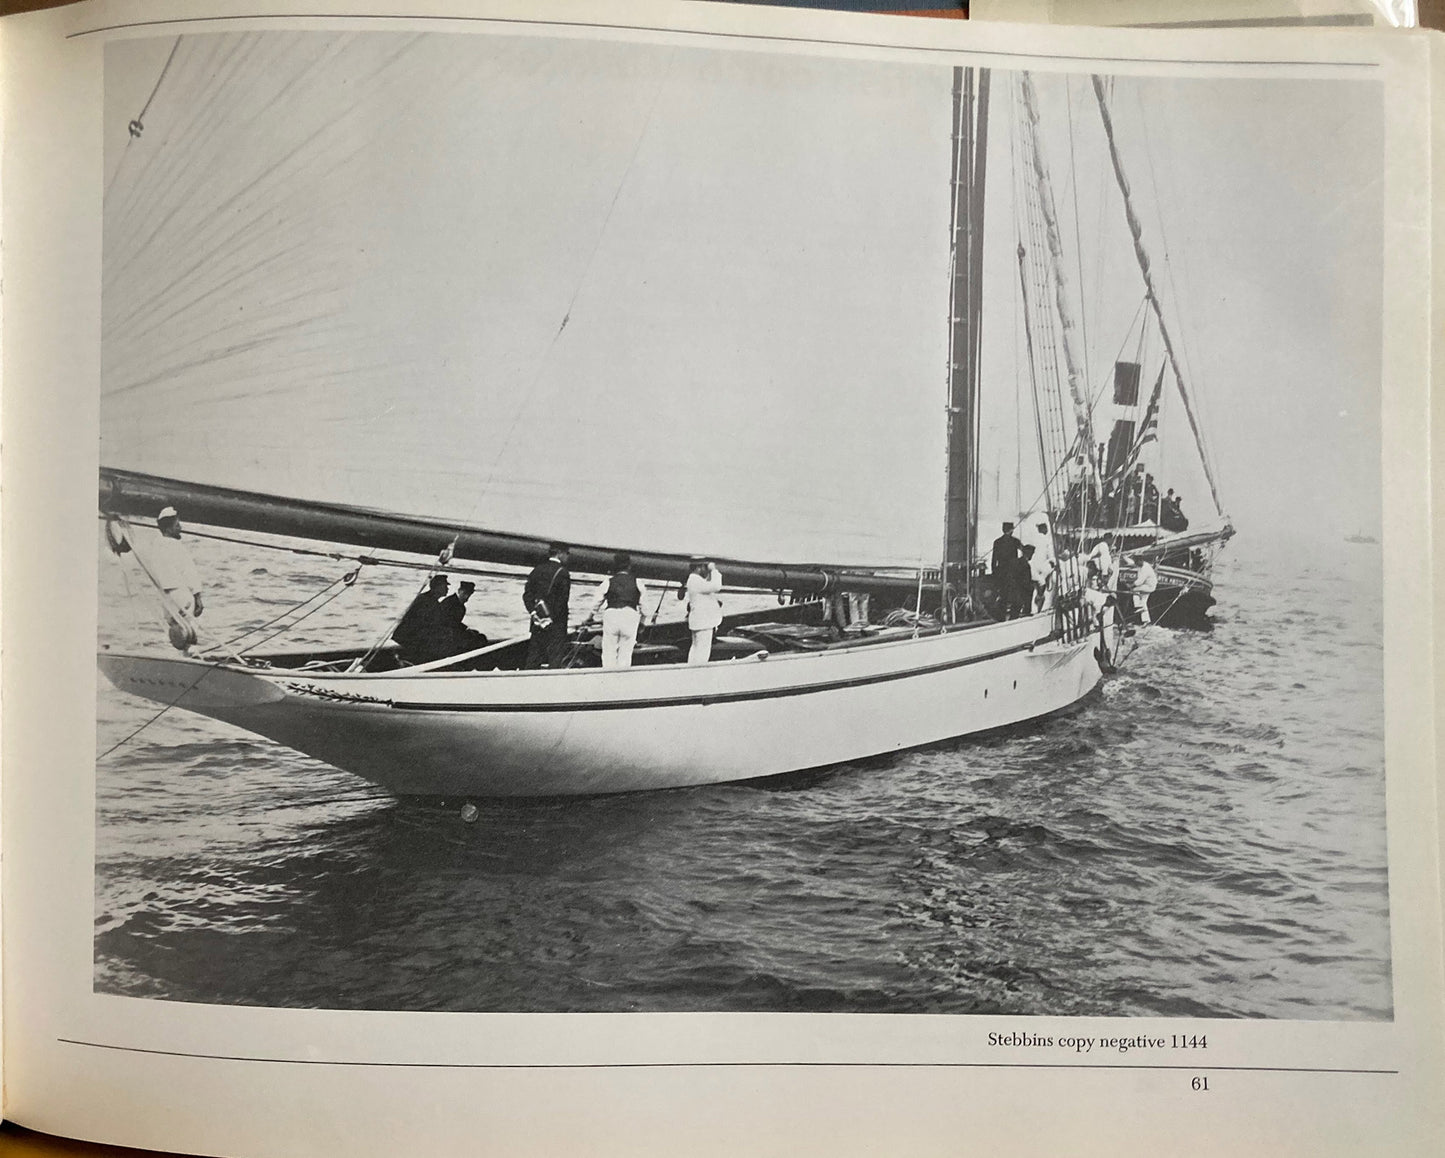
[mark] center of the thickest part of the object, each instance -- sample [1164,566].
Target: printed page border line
[1201,1068]
[776,39]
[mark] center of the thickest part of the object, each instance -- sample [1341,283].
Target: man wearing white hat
[172,570]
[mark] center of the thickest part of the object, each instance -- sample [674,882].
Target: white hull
[544,733]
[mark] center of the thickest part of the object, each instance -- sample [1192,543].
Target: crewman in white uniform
[1043,565]
[704,608]
[1146,581]
[171,567]
[1102,560]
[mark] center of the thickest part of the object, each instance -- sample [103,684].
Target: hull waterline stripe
[721,697]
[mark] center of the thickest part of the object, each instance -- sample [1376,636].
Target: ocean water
[1203,836]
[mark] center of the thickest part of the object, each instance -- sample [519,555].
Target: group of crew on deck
[433,627]
[1026,576]
[1127,500]
[1023,572]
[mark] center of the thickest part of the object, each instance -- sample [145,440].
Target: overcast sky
[1261,204]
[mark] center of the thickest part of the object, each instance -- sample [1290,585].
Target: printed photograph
[653,523]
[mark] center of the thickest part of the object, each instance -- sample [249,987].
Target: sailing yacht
[853,659]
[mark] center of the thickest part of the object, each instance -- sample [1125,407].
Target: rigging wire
[338,556]
[347,580]
[1046,277]
[1023,227]
[1141,256]
[1078,232]
[1206,449]
[137,126]
[1055,320]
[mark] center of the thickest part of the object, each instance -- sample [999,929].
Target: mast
[1137,232]
[130,493]
[965,311]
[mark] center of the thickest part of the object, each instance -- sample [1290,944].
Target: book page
[1217,14]
[1437,306]
[961,861]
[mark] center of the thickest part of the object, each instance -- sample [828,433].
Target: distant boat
[819,679]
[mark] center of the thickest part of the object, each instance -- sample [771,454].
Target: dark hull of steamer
[1183,566]
[1185,591]
[1185,606]
[1183,597]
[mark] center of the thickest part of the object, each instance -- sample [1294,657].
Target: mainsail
[517,283]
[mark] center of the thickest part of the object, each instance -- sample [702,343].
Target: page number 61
[1199,1084]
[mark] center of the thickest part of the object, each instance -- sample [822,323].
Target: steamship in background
[1137,514]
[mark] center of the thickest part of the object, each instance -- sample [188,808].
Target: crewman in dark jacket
[454,613]
[548,590]
[1005,555]
[619,602]
[1005,551]
[1019,584]
[423,635]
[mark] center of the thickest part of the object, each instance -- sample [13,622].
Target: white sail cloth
[628,294]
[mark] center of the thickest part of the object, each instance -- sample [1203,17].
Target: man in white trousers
[1146,582]
[704,608]
[170,567]
[619,601]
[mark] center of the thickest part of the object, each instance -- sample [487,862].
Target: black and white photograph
[637,522]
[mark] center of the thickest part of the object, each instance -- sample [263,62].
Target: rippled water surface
[1203,836]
